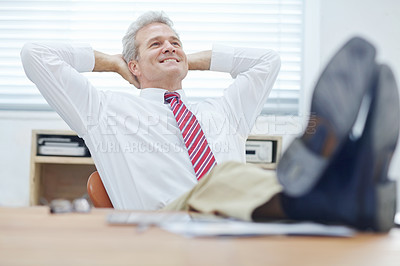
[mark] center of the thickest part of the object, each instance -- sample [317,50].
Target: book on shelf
[61,145]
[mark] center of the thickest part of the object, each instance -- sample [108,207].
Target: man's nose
[168,47]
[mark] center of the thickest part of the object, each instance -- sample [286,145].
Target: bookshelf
[54,177]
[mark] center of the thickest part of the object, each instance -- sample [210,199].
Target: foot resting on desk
[354,188]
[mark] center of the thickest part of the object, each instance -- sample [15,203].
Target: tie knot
[168,96]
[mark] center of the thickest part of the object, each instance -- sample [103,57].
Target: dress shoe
[355,189]
[335,105]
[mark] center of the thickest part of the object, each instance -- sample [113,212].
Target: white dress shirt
[135,142]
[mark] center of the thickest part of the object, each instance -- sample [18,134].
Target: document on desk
[239,228]
[197,225]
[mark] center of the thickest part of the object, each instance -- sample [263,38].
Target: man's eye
[176,44]
[154,44]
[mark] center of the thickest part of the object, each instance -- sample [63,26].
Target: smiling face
[161,63]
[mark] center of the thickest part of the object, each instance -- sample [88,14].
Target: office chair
[97,193]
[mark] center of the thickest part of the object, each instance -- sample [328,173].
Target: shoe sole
[382,132]
[336,101]
[385,206]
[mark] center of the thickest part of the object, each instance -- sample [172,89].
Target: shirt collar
[156,94]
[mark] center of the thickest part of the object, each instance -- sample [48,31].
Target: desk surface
[32,236]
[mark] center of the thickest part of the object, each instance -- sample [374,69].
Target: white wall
[329,24]
[15,147]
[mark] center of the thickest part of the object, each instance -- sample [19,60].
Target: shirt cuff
[83,57]
[222,58]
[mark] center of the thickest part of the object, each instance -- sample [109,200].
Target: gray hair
[130,49]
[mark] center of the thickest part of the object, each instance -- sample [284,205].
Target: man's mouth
[169,60]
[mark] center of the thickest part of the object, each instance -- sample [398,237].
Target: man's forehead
[156,31]
[161,37]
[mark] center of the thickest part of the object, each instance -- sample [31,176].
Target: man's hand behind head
[124,71]
[114,63]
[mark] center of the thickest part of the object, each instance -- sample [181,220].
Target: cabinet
[54,177]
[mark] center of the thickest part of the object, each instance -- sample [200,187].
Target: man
[145,157]
[329,174]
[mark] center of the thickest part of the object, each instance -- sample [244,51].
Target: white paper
[236,228]
[199,225]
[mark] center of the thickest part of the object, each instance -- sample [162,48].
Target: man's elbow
[30,56]
[275,60]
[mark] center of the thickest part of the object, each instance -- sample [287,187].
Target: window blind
[275,24]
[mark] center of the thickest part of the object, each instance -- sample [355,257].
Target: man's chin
[176,72]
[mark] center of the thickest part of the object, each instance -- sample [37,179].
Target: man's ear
[134,68]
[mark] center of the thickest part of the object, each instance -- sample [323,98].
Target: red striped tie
[195,141]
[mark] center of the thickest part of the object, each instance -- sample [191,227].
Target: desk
[32,236]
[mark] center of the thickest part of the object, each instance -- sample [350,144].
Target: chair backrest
[97,192]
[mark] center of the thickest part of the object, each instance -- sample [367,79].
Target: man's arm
[254,71]
[199,61]
[56,69]
[114,63]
